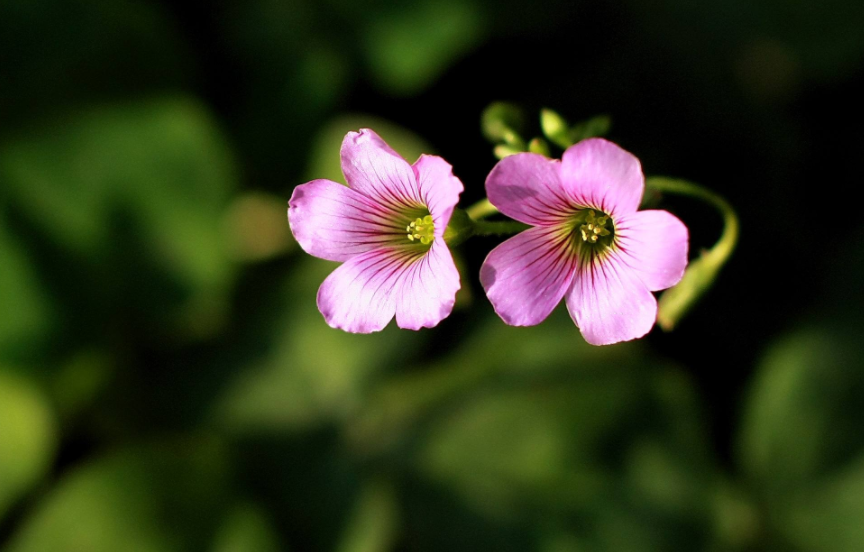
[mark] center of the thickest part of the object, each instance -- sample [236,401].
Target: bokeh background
[167,384]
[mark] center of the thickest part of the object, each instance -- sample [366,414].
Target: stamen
[594,227]
[421,229]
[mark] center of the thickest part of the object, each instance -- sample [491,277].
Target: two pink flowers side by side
[588,243]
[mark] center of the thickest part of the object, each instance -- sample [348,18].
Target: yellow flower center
[422,230]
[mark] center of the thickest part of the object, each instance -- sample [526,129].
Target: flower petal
[372,168]
[653,243]
[527,187]
[610,303]
[428,289]
[360,295]
[526,276]
[439,189]
[333,222]
[599,174]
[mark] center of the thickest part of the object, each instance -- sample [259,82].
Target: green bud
[502,122]
[502,151]
[593,127]
[555,128]
[539,145]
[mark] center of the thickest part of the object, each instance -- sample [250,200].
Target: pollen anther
[421,229]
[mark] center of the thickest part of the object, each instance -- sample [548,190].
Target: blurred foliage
[167,383]
[28,438]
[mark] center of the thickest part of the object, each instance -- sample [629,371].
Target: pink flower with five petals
[387,227]
[589,244]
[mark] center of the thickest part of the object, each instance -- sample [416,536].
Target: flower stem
[496,228]
[700,275]
[481,209]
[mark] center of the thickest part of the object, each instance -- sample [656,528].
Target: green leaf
[501,121]
[555,128]
[162,498]
[27,315]
[802,414]
[827,517]
[134,193]
[593,127]
[519,425]
[311,374]
[28,438]
[246,528]
[373,523]
[409,45]
[801,444]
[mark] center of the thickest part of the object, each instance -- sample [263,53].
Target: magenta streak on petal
[526,276]
[364,225]
[428,289]
[374,169]
[609,302]
[439,189]
[360,295]
[527,187]
[654,244]
[598,173]
[333,222]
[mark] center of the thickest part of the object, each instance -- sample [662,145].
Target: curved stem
[731,227]
[481,209]
[700,275]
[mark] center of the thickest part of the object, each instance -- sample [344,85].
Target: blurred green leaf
[802,416]
[310,373]
[56,54]
[26,311]
[801,444]
[555,128]
[136,191]
[519,424]
[828,516]
[409,45]
[142,499]
[373,523]
[501,121]
[28,438]
[247,529]
[593,127]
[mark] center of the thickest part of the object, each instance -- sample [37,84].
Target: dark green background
[167,384]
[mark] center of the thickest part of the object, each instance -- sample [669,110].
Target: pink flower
[387,227]
[589,243]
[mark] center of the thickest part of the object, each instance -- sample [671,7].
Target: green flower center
[594,227]
[422,230]
[593,232]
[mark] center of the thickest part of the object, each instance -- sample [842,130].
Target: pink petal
[439,189]
[599,174]
[360,296]
[526,276]
[428,289]
[372,168]
[654,244]
[333,222]
[610,303]
[527,187]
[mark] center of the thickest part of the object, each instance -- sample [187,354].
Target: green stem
[729,239]
[481,210]
[496,228]
[700,275]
